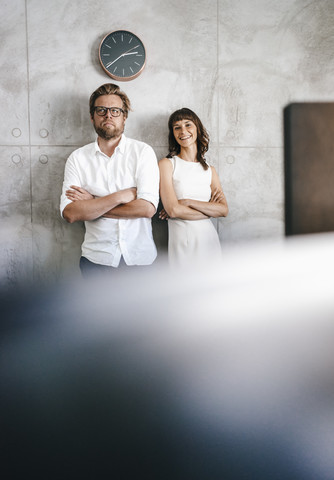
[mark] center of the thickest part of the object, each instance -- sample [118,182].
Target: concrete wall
[237,63]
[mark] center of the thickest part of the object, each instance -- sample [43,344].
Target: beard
[108,133]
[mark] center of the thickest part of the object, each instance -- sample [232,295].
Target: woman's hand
[185,202]
[217,195]
[78,193]
[163,215]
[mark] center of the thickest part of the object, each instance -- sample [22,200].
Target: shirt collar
[120,146]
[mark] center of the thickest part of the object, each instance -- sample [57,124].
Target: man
[112,185]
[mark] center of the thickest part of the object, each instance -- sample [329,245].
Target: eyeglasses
[114,111]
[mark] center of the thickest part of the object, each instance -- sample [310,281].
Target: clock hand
[130,49]
[110,63]
[130,53]
[123,55]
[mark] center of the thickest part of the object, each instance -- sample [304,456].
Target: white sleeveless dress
[191,241]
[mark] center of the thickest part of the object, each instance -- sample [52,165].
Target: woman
[190,191]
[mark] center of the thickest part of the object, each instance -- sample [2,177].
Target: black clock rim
[115,77]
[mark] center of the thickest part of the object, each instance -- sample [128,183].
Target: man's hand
[85,207]
[128,195]
[78,193]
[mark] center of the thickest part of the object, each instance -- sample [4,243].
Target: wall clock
[122,55]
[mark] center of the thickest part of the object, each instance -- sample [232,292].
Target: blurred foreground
[217,373]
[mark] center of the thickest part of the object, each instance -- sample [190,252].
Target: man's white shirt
[133,164]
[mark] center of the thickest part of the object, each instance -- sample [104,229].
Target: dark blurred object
[309,168]
[222,373]
[160,232]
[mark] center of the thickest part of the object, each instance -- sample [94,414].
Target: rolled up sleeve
[148,177]
[71,177]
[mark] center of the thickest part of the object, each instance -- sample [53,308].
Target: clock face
[122,55]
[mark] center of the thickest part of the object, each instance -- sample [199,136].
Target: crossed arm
[188,209]
[121,204]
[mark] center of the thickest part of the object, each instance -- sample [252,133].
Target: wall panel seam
[29,134]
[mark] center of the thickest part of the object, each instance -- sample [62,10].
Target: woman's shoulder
[167,161]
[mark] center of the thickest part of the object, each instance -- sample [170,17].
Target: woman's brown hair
[202,135]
